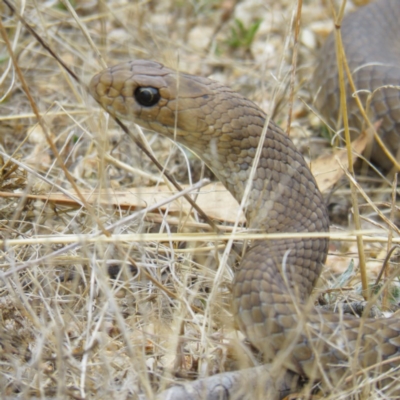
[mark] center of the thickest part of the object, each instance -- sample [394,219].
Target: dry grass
[68,330]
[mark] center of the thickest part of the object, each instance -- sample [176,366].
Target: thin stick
[294,63]
[357,222]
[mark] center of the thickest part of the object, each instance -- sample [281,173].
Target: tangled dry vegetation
[86,316]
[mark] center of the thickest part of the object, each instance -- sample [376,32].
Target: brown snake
[272,286]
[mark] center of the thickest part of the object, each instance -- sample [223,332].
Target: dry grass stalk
[68,330]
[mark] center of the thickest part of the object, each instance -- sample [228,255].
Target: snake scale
[272,285]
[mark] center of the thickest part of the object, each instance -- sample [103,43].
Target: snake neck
[284,196]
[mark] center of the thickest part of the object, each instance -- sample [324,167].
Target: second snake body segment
[371,40]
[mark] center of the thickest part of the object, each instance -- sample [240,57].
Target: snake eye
[147,96]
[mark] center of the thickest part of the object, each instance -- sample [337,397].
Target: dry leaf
[327,170]
[214,199]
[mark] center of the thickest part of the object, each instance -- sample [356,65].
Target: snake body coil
[371,39]
[275,278]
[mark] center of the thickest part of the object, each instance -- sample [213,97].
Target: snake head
[155,97]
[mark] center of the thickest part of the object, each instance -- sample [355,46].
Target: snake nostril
[147,96]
